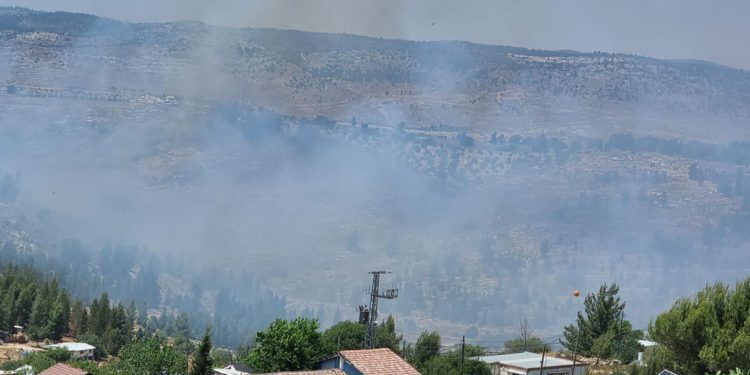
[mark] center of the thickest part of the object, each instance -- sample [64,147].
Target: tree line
[707,333]
[87,273]
[290,345]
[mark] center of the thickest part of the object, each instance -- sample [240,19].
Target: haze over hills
[491,180]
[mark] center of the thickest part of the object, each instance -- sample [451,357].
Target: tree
[603,331]
[427,347]
[38,326]
[148,357]
[386,337]
[708,333]
[344,335]
[78,317]
[286,346]
[525,331]
[203,363]
[56,323]
[450,363]
[182,341]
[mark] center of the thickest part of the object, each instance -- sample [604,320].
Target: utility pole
[463,346]
[369,316]
[619,332]
[575,352]
[541,364]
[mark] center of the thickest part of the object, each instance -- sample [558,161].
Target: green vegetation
[147,357]
[344,335]
[426,348]
[708,333]
[203,363]
[44,308]
[39,361]
[603,332]
[425,356]
[286,346]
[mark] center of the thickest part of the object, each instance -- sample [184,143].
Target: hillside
[492,180]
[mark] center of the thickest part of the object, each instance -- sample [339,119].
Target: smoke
[476,233]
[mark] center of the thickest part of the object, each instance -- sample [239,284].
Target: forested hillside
[137,280]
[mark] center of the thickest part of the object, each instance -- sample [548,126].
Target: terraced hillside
[492,180]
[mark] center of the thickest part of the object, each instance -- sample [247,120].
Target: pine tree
[602,331]
[55,326]
[386,336]
[77,318]
[38,324]
[182,341]
[203,363]
[132,312]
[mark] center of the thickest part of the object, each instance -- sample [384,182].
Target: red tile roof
[378,362]
[63,369]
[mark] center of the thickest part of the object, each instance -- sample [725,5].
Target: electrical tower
[369,315]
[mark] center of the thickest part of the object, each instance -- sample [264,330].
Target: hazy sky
[697,29]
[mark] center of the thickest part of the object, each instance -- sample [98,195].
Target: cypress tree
[203,363]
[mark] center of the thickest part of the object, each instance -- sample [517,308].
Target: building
[234,369]
[312,372]
[78,350]
[63,369]
[351,362]
[530,364]
[368,362]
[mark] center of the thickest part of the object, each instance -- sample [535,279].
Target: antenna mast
[369,315]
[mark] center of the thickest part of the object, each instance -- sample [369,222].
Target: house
[527,363]
[234,369]
[666,372]
[78,350]
[63,369]
[368,362]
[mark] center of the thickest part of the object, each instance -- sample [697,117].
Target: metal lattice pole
[372,319]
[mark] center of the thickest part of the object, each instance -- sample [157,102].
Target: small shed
[77,350]
[527,363]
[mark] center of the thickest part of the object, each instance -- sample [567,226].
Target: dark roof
[667,372]
[63,369]
[378,362]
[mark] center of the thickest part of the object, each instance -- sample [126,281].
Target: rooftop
[234,369]
[71,346]
[63,369]
[378,362]
[313,372]
[526,360]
